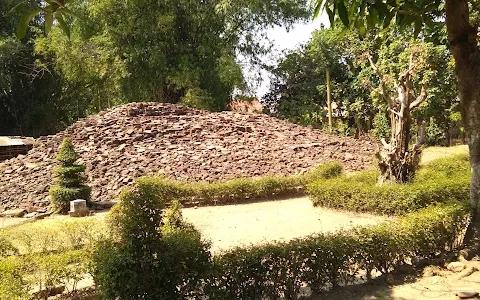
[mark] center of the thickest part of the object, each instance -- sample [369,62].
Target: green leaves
[342,12]
[48,22]
[63,25]
[24,21]
[19,7]
[51,11]
[407,14]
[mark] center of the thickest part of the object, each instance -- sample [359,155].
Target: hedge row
[441,181]
[267,271]
[51,236]
[278,270]
[238,190]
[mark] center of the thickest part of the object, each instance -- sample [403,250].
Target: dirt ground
[432,153]
[7,222]
[236,225]
[413,287]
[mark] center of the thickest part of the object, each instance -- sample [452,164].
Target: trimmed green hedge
[274,270]
[268,271]
[238,190]
[441,181]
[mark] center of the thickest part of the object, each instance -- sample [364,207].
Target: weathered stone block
[78,208]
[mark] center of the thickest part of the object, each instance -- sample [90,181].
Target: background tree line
[125,51]
[187,51]
[298,81]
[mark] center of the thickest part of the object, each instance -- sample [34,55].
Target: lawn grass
[57,233]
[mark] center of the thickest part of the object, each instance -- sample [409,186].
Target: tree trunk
[463,40]
[329,101]
[397,163]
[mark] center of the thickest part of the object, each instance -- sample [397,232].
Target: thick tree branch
[420,98]
[403,76]
[385,144]
[395,112]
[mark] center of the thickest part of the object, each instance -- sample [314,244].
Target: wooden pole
[329,101]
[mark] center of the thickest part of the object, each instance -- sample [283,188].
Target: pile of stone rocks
[128,141]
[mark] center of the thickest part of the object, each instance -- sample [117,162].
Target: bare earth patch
[432,153]
[443,287]
[7,222]
[237,225]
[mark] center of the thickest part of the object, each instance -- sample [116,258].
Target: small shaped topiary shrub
[70,180]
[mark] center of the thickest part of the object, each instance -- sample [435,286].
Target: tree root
[471,267]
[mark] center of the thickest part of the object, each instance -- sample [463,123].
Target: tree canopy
[298,83]
[118,51]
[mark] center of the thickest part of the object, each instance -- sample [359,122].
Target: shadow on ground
[407,287]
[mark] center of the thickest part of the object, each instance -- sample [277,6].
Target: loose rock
[456,266]
[136,139]
[14,213]
[466,294]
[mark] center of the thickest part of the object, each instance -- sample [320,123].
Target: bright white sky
[284,40]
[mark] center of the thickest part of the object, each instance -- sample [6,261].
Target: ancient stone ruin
[125,142]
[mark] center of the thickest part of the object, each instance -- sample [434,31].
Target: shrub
[238,190]
[51,270]
[425,233]
[19,275]
[147,259]
[6,248]
[439,182]
[455,167]
[52,236]
[156,255]
[12,279]
[70,179]
[200,99]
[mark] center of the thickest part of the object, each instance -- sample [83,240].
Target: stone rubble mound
[128,141]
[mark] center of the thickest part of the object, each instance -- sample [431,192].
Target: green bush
[147,259]
[439,182]
[51,236]
[455,167]
[425,233]
[70,179]
[51,270]
[154,254]
[13,284]
[6,247]
[19,275]
[274,270]
[238,190]
[200,99]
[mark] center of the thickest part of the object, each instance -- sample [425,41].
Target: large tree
[31,100]
[463,41]
[170,51]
